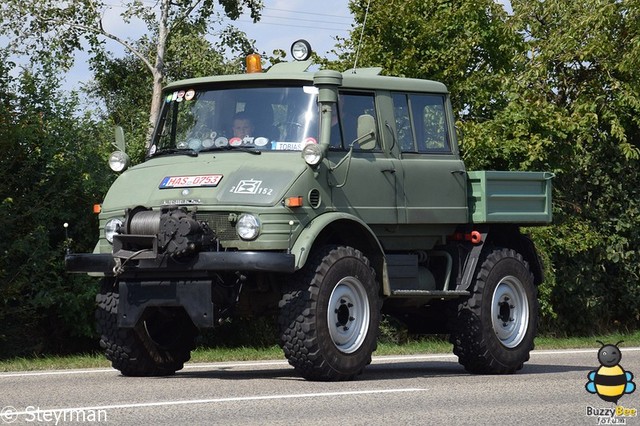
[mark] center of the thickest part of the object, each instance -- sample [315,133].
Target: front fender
[305,241]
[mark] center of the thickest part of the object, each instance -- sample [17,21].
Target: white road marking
[57,372]
[217,400]
[578,351]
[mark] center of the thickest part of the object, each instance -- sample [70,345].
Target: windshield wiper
[165,151]
[247,148]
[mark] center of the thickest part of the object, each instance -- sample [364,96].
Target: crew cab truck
[348,200]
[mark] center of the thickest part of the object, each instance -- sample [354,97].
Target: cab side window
[430,123]
[344,129]
[421,123]
[403,122]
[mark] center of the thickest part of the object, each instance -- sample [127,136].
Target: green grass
[54,362]
[429,345]
[629,339]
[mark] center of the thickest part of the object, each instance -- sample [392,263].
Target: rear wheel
[158,345]
[494,329]
[329,315]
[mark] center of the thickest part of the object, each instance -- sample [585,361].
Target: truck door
[434,181]
[370,187]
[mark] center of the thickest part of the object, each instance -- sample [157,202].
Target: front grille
[219,223]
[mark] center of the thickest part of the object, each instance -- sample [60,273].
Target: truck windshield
[276,118]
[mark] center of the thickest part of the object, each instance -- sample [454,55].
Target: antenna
[364,24]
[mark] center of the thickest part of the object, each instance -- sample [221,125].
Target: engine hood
[211,179]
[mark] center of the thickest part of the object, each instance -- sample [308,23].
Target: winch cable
[119,268]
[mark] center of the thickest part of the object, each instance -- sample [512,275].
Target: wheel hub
[348,315]
[505,311]
[510,312]
[343,314]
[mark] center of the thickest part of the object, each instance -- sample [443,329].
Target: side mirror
[119,144]
[367,136]
[119,160]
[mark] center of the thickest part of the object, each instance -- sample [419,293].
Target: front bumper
[204,262]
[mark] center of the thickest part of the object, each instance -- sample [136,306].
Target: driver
[242,126]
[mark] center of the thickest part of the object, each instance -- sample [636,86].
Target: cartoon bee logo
[610,381]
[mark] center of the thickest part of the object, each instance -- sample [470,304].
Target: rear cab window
[421,123]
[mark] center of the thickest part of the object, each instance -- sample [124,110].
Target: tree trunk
[158,71]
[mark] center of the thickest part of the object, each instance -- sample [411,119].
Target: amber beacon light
[254,63]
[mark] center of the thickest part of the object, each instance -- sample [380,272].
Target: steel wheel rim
[348,315]
[510,311]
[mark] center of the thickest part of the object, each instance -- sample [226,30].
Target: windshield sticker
[287,146]
[290,146]
[190,181]
[180,95]
[261,141]
[235,141]
[221,142]
[194,144]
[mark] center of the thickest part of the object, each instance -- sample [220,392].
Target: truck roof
[358,78]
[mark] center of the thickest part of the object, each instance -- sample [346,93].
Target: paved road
[429,389]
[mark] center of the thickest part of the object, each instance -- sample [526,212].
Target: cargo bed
[510,197]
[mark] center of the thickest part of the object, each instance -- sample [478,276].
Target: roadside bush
[52,169]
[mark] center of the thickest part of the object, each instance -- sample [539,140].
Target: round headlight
[118,161]
[301,50]
[111,228]
[312,154]
[248,227]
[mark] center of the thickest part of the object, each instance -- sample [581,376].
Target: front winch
[172,231]
[181,235]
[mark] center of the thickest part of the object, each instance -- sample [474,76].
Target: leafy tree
[43,141]
[124,86]
[555,86]
[466,44]
[57,29]
[572,107]
[52,161]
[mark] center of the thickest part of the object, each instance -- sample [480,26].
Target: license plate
[190,181]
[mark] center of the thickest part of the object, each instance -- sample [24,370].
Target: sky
[282,23]
[285,21]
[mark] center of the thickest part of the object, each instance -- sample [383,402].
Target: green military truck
[346,199]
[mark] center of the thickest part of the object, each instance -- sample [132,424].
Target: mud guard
[305,241]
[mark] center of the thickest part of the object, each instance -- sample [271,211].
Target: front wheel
[158,345]
[329,315]
[494,329]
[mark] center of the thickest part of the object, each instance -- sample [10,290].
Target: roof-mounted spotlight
[301,50]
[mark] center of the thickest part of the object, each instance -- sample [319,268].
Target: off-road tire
[497,343]
[132,351]
[330,314]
